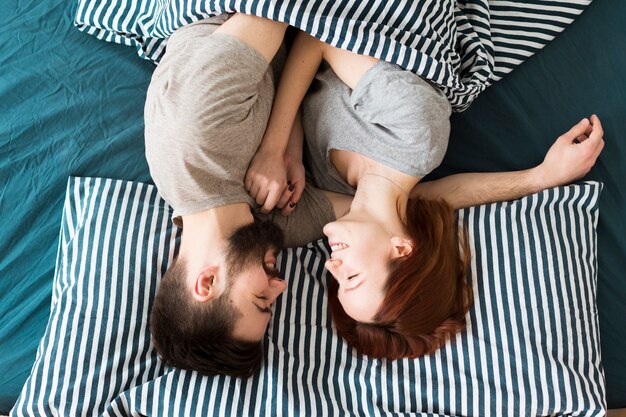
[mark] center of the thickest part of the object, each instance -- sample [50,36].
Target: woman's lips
[336,247]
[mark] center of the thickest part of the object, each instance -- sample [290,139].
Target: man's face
[256,283]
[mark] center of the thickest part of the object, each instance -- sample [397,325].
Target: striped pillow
[531,346]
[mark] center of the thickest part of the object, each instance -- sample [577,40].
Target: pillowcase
[531,346]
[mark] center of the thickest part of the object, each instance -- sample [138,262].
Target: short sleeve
[307,221]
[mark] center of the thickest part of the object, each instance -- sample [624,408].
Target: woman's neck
[381,198]
[381,192]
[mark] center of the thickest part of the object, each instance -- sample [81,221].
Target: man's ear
[401,247]
[205,286]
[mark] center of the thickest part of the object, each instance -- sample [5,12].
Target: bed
[72,125]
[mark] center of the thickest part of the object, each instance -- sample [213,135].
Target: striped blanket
[463,46]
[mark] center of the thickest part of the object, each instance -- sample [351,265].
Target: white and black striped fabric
[531,347]
[463,46]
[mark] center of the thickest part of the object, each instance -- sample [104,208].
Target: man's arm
[570,158]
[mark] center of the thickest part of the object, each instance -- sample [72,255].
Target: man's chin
[250,244]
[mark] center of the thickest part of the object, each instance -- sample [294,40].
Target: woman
[374,130]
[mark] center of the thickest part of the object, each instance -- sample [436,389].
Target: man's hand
[572,155]
[275,180]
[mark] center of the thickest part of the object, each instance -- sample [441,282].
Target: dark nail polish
[291,187]
[292,204]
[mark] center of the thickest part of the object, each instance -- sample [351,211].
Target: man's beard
[248,245]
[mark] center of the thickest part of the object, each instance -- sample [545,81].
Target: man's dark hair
[197,336]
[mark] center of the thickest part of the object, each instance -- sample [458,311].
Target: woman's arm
[295,168]
[302,63]
[274,162]
[570,158]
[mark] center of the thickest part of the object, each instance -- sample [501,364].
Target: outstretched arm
[571,157]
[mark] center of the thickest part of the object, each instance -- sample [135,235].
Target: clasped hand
[275,180]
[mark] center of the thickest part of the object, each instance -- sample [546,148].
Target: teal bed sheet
[68,104]
[73,105]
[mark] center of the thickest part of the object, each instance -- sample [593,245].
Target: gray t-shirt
[206,110]
[392,116]
[305,224]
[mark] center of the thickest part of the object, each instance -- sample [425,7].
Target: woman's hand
[573,154]
[275,180]
[295,185]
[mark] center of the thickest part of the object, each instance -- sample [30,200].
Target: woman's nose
[276,288]
[328,228]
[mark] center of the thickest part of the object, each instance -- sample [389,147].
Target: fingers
[247,183]
[254,190]
[266,195]
[261,197]
[593,144]
[271,200]
[576,131]
[295,198]
[286,195]
[297,193]
[597,132]
[595,137]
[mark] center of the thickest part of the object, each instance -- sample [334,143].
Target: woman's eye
[353,276]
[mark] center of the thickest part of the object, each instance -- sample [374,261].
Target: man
[206,111]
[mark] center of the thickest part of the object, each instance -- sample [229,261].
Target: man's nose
[276,287]
[333,267]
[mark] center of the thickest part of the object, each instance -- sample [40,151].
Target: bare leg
[262,34]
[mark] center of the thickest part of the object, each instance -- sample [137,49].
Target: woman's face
[361,253]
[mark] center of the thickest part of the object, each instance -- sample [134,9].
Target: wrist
[538,178]
[293,154]
[273,146]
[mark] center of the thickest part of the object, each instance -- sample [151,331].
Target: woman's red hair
[427,294]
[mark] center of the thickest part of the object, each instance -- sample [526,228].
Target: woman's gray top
[393,117]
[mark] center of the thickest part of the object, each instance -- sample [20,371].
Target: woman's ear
[205,286]
[401,247]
